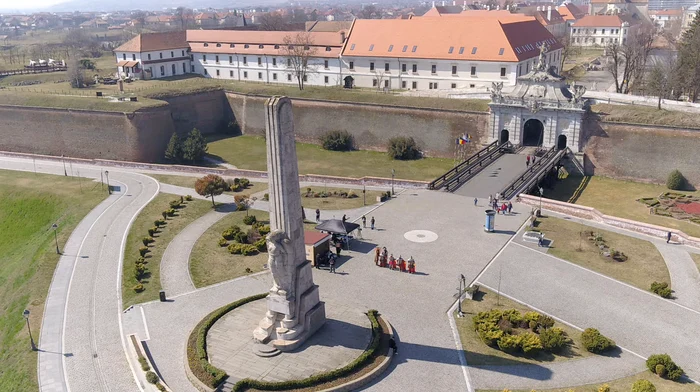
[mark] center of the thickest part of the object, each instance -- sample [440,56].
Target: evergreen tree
[173,152]
[689,58]
[195,146]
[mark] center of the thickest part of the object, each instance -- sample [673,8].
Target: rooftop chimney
[498,7]
[342,37]
[443,3]
[454,2]
[549,13]
[433,3]
[538,8]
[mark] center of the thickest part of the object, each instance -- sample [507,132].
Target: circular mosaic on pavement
[420,236]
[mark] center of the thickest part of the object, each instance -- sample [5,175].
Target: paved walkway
[175,265]
[493,178]
[685,277]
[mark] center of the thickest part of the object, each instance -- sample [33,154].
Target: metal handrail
[525,180]
[476,167]
[450,174]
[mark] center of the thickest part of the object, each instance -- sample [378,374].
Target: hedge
[197,346]
[667,369]
[367,356]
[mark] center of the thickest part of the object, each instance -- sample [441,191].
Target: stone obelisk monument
[294,311]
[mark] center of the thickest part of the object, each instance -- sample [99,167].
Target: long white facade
[153,65]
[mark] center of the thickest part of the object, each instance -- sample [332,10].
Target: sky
[28,4]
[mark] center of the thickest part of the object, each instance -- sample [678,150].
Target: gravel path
[685,277]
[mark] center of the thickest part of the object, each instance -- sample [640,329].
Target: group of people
[371,222]
[501,208]
[383,259]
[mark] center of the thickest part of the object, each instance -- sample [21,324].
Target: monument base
[276,331]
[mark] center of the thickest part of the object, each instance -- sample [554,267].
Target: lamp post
[109,190]
[459,295]
[65,172]
[55,237]
[364,193]
[393,173]
[541,192]
[26,318]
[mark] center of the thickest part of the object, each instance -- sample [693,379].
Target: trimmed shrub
[152,377]
[352,195]
[143,250]
[266,197]
[261,245]
[175,203]
[660,370]
[161,387]
[403,148]
[545,322]
[139,270]
[151,231]
[661,289]
[264,230]
[138,288]
[676,181]
[249,219]
[509,343]
[141,260]
[604,388]
[553,339]
[249,250]
[170,212]
[223,242]
[147,240]
[164,214]
[244,182]
[671,370]
[241,237]
[594,342]
[188,198]
[230,233]
[159,222]
[337,141]
[144,364]
[530,343]
[235,248]
[643,386]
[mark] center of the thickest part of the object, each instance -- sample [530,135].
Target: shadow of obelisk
[294,310]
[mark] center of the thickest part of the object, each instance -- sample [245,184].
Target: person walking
[377,251]
[533,160]
[318,215]
[364,221]
[490,199]
[510,208]
[475,201]
[527,161]
[668,237]
[371,223]
[344,218]
[331,263]
[338,247]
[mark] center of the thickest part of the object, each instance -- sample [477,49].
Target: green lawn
[480,354]
[336,202]
[619,198]
[696,258]
[639,114]
[621,385]
[188,182]
[248,152]
[643,266]
[31,203]
[139,229]
[88,101]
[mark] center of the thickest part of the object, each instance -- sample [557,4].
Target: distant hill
[148,5]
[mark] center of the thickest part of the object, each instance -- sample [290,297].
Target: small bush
[138,288]
[244,182]
[241,237]
[403,148]
[594,342]
[509,343]
[264,230]
[223,242]
[164,214]
[248,250]
[141,260]
[676,181]
[250,219]
[553,339]
[660,370]
[337,141]
[545,322]
[147,240]
[261,245]
[643,386]
[661,288]
[151,231]
[530,343]
[231,232]
[144,364]
[170,212]
[139,270]
[159,222]
[604,388]
[161,387]
[672,371]
[188,198]
[266,197]
[235,248]
[152,377]
[175,203]
[253,236]
[143,250]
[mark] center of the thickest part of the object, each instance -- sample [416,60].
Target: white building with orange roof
[601,30]
[259,56]
[154,55]
[666,18]
[428,53]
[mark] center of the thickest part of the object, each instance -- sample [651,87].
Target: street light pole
[364,193]
[65,172]
[393,173]
[109,190]
[26,318]
[459,296]
[55,237]
[541,192]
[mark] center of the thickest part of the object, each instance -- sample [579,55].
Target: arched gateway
[533,133]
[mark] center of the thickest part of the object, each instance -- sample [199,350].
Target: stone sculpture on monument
[294,310]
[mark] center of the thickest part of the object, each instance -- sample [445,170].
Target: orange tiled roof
[149,42]
[327,44]
[571,12]
[482,39]
[667,12]
[599,21]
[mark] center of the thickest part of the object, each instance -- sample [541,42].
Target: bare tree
[273,22]
[380,78]
[299,51]
[183,16]
[569,49]
[661,79]
[628,60]
[76,73]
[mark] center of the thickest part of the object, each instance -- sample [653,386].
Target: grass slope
[248,152]
[480,354]
[336,203]
[30,205]
[638,114]
[644,265]
[193,210]
[619,198]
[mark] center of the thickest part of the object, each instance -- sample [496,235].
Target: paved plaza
[345,335]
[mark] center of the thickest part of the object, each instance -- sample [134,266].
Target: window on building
[161,54]
[133,57]
[461,50]
[595,31]
[246,46]
[149,56]
[374,82]
[184,68]
[415,47]
[430,86]
[386,67]
[520,69]
[602,31]
[433,68]
[277,46]
[352,65]
[218,45]
[206,72]
[230,73]
[306,79]
[218,73]
[573,31]
[403,68]
[173,68]
[371,47]
[245,60]
[289,62]
[503,72]
[391,47]
[260,75]
[216,58]
[289,77]
[474,50]
[325,64]
[325,79]
[307,47]
[500,51]
[232,46]
[472,85]
[183,53]
[405,48]
[261,46]
[371,66]
[403,84]
[415,68]
[454,85]
[414,85]
[352,47]
[206,44]
[162,70]
[204,58]
[473,71]
[386,83]
[454,70]
[451,49]
[230,59]
[274,76]
[274,61]
[245,74]
[192,69]
[172,54]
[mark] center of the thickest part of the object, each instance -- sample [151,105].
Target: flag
[464,139]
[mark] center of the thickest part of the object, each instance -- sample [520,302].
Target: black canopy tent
[337,226]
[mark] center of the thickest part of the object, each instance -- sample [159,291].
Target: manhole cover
[420,236]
